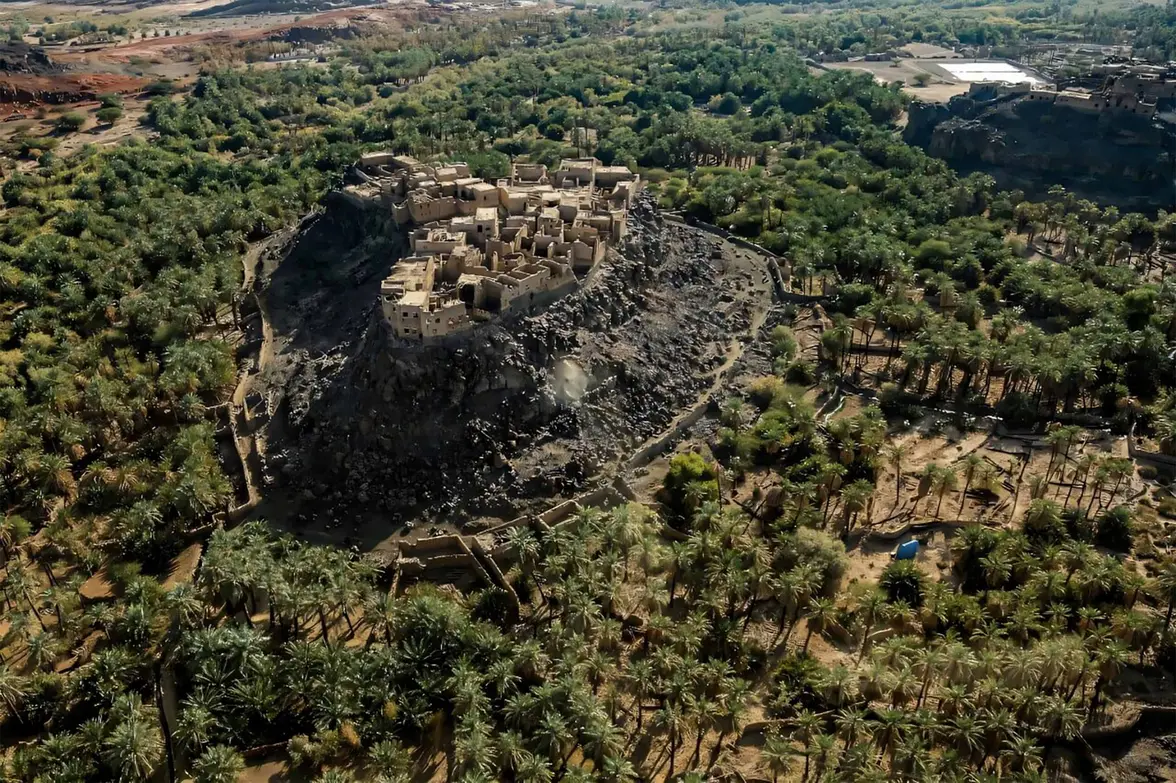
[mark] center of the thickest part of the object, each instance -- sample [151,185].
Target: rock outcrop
[19,57]
[1113,158]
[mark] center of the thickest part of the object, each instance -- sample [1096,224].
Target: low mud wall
[1154,457]
[467,552]
[658,445]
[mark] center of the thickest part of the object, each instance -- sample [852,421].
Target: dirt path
[761,292]
[249,447]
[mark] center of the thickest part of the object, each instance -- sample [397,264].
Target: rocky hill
[1109,158]
[493,421]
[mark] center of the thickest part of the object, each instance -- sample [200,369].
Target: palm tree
[896,456]
[512,751]
[525,545]
[871,604]
[335,776]
[1165,591]
[954,700]
[671,721]
[42,649]
[1082,467]
[824,748]
[904,687]
[851,724]
[1111,658]
[958,662]
[133,748]
[943,481]
[198,724]
[972,464]
[534,769]
[779,754]
[929,663]
[1058,439]
[839,685]
[1061,718]
[1118,469]
[617,769]
[1020,753]
[184,606]
[793,590]
[855,498]
[874,681]
[1101,476]
[892,724]
[912,757]
[997,569]
[12,690]
[218,764]
[821,615]
[1038,486]
[13,530]
[626,528]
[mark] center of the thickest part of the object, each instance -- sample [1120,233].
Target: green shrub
[903,581]
[108,115]
[1079,526]
[783,342]
[801,372]
[1043,523]
[71,121]
[806,545]
[1017,409]
[764,391]
[1115,528]
[690,482]
[494,605]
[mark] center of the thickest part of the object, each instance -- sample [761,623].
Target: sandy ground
[43,123]
[268,772]
[926,51]
[940,89]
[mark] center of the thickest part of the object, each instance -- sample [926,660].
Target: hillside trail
[251,447]
[759,293]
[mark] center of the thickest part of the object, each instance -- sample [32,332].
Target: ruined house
[481,249]
[1133,94]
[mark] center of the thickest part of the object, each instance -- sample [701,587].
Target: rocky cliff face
[1110,158]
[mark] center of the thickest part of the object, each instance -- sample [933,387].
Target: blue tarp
[907,550]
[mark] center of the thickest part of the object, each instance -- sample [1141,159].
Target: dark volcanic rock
[1114,158]
[19,57]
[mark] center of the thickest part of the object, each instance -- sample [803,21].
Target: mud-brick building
[483,250]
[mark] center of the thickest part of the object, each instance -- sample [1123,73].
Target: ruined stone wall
[432,209]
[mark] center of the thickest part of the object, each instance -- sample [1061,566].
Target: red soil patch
[148,47]
[23,90]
